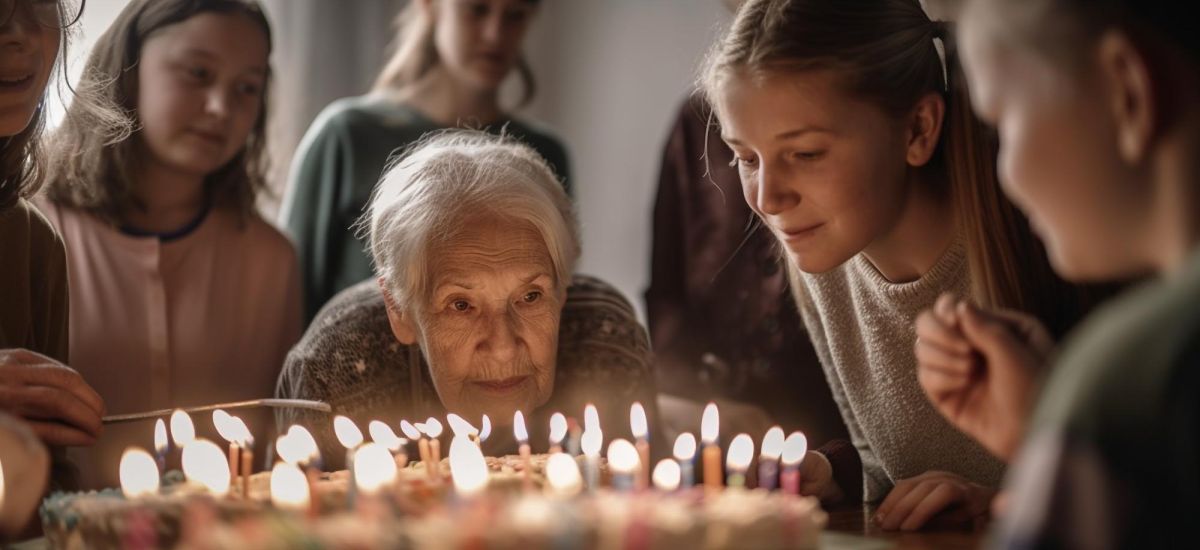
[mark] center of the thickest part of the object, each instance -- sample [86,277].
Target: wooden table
[851,527]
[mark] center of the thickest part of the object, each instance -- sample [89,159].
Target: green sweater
[1113,454]
[337,164]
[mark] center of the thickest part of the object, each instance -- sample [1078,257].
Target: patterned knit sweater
[862,328]
[350,359]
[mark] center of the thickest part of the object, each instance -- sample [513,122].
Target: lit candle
[523,449]
[246,442]
[138,473]
[486,431]
[289,487]
[741,452]
[350,437]
[685,455]
[433,429]
[414,435]
[667,475]
[182,433]
[591,442]
[710,427]
[623,464]
[591,418]
[794,449]
[374,469]
[228,431]
[382,434]
[562,475]
[574,434]
[298,448]
[768,461]
[461,428]
[558,430]
[204,463]
[641,435]
[468,468]
[160,444]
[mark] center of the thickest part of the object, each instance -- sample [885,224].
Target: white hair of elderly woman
[449,178]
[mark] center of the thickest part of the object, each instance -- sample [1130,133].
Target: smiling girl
[857,148]
[182,295]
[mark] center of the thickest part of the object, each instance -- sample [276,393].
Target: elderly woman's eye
[532,297]
[460,305]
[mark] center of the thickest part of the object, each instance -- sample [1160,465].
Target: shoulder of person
[26,221]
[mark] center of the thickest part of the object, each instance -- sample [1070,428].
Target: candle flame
[558,428]
[382,434]
[591,441]
[289,488]
[562,473]
[741,452]
[667,475]
[225,426]
[637,421]
[772,445]
[245,438]
[685,446]
[410,431]
[138,473]
[622,456]
[710,424]
[433,428]
[519,427]
[460,426]
[287,449]
[182,429]
[374,468]
[468,468]
[347,432]
[486,432]
[160,436]
[304,442]
[206,464]
[591,418]
[794,449]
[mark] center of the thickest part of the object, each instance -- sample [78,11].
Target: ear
[1130,88]
[925,128]
[401,323]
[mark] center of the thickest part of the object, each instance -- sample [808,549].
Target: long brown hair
[885,51]
[92,154]
[22,166]
[414,55]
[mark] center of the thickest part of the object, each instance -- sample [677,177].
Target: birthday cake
[422,511]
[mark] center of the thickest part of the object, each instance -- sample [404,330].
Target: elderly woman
[476,309]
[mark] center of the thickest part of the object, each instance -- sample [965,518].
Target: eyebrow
[785,135]
[197,52]
[462,284]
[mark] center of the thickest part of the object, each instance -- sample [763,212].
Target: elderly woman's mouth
[502,385]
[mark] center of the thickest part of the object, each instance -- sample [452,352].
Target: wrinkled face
[826,172]
[26,61]
[479,41]
[200,90]
[1059,158]
[490,326]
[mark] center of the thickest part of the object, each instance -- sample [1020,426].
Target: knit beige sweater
[862,328]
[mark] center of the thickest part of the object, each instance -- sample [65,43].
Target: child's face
[26,61]
[479,41]
[200,90]
[1059,158]
[825,171]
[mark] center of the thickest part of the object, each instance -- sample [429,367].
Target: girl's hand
[913,502]
[816,478]
[978,368]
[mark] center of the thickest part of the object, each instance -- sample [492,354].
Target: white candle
[623,463]
[350,437]
[741,452]
[685,455]
[641,433]
[591,442]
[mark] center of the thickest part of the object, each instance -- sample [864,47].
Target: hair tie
[941,30]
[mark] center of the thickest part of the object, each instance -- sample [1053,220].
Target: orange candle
[711,456]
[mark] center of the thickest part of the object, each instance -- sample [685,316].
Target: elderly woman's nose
[501,341]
